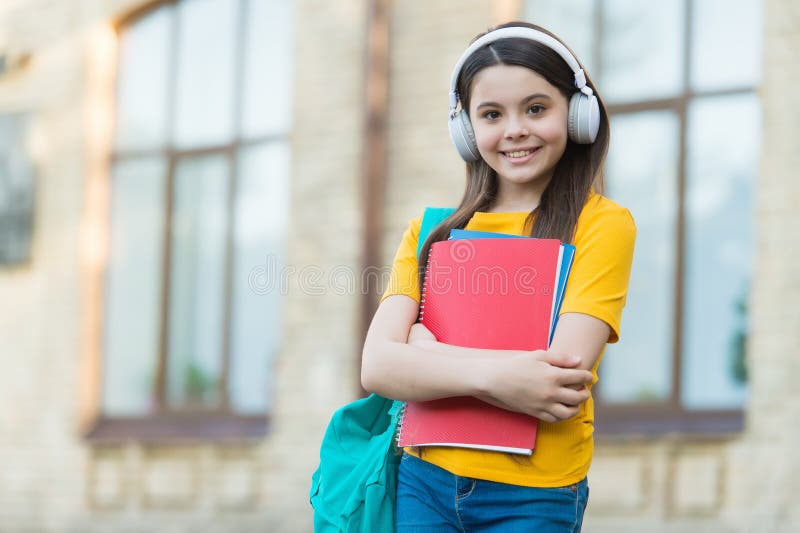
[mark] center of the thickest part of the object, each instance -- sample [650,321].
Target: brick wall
[51,480]
[423,168]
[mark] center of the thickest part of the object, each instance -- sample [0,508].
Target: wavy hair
[577,173]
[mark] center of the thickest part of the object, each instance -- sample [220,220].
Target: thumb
[560,359]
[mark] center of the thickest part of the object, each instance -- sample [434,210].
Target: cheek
[485,137]
[554,131]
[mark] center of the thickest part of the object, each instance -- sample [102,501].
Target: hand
[539,383]
[557,362]
[420,334]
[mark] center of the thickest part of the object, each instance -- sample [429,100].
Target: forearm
[419,373]
[581,335]
[463,352]
[397,364]
[477,353]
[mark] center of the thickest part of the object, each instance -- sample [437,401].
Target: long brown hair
[579,170]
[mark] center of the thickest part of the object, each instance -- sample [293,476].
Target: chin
[521,179]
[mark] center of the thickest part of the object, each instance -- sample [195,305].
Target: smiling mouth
[520,153]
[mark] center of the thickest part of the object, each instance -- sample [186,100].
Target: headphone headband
[524,33]
[583,115]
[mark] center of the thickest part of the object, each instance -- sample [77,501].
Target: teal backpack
[354,487]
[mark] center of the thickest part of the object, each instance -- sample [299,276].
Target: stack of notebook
[495,291]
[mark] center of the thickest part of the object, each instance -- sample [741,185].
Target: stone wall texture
[53,480]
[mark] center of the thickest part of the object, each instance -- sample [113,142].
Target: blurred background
[200,199]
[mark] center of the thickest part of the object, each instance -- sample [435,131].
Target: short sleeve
[598,283]
[405,267]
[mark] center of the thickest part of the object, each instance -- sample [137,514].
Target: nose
[516,128]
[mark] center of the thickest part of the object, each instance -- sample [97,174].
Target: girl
[534,137]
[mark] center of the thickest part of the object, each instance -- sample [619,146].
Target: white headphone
[583,120]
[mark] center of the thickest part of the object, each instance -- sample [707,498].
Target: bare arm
[422,337]
[537,383]
[395,369]
[581,335]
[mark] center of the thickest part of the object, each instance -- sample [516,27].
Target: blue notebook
[567,257]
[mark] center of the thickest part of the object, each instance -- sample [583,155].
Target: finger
[562,412]
[573,376]
[571,397]
[560,359]
[420,331]
[546,416]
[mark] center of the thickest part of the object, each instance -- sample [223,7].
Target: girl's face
[520,123]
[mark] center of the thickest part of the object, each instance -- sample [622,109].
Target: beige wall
[51,480]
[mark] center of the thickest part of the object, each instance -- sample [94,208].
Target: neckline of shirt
[502,213]
[488,214]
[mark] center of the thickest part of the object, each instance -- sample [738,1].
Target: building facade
[192,195]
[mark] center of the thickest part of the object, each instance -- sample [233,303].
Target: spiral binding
[399,427]
[424,289]
[422,293]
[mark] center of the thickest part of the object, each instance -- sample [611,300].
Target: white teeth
[523,153]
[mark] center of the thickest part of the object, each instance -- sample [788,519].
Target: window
[679,78]
[16,191]
[199,197]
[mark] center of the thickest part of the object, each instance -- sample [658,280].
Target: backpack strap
[432,217]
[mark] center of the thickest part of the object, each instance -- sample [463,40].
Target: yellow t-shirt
[597,286]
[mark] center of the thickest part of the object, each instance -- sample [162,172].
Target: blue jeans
[430,499]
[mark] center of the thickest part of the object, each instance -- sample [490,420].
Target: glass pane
[206,63]
[642,50]
[142,81]
[268,68]
[17,191]
[737,24]
[133,286]
[642,176]
[572,21]
[261,220]
[197,281]
[719,247]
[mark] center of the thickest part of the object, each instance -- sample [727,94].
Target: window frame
[167,423]
[670,415]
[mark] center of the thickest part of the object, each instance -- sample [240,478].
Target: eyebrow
[523,101]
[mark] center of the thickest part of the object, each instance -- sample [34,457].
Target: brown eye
[535,109]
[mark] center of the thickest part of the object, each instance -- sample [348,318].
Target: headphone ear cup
[583,120]
[463,137]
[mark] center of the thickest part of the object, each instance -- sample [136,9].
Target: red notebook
[484,293]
